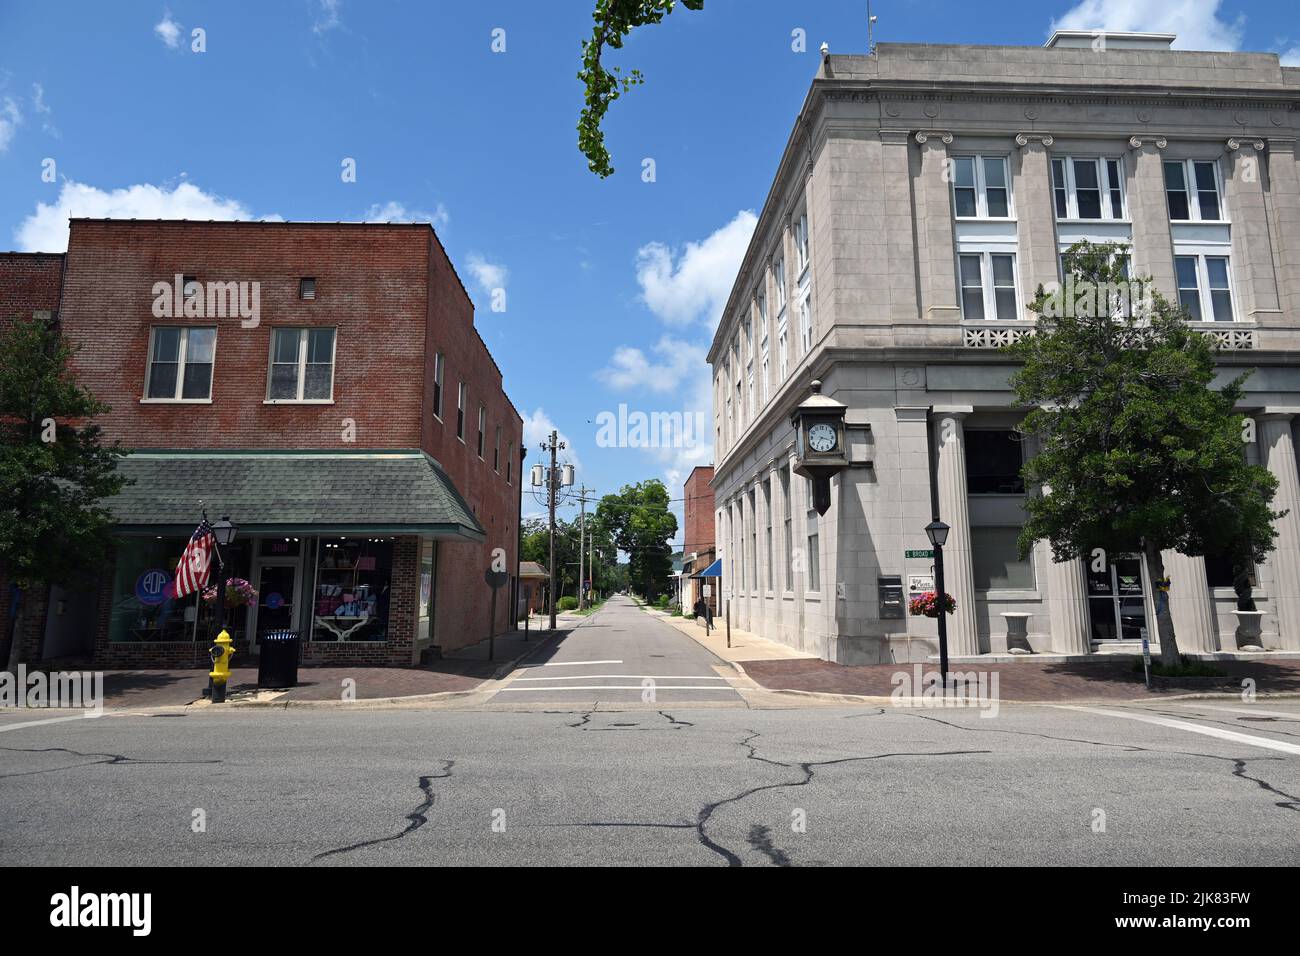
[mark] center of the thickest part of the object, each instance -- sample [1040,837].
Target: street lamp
[937,532]
[224,531]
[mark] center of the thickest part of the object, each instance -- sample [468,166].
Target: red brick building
[698,548]
[323,385]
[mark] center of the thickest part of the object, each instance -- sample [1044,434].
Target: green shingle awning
[319,492]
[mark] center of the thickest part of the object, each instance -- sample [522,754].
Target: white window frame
[1104,187]
[783,350]
[801,244]
[481,445]
[439,377]
[987,286]
[304,340]
[1203,290]
[462,395]
[182,353]
[778,280]
[1193,194]
[805,321]
[981,188]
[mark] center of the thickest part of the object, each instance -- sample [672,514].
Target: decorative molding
[1022,139]
[922,135]
[1137,141]
[1235,143]
[1232,340]
[993,337]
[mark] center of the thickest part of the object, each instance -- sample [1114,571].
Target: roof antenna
[871,30]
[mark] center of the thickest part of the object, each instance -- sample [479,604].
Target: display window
[351,596]
[144,608]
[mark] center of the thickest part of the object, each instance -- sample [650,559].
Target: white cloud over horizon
[46,230]
[169,31]
[537,429]
[489,275]
[629,368]
[393,211]
[1198,23]
[683,287]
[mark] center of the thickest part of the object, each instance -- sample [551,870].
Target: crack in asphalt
[875,713]
[1291,802]
[1224,721]
[109,760]
[415,819]
[760,838]
[674,721]
[586,719]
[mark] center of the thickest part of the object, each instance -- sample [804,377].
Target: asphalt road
[1175,783]
[621,655]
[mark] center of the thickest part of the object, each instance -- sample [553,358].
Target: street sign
[495,579]
[918,554]
[708,590]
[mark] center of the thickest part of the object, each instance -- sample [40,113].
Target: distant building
[698,548]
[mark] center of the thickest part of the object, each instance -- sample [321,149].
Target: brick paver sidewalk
[1024,680]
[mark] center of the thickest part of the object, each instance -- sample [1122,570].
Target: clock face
[821,437]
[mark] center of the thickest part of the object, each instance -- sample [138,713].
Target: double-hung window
[787,542]
[988,285]
[1204,287]
[180,364]
[496,452]
[814,541]
[805,321]
[1192,188]
[460,411]
[482,428]
[1087,188]
[439,369]
[980,187]
[778,279]
[302,365]
[801,244]
[764,361]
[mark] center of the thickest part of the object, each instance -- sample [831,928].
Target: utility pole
[554,481]
[582,544]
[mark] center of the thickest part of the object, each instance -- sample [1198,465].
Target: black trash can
[277,666]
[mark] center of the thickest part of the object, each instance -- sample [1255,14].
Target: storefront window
[353,576]
[143,607]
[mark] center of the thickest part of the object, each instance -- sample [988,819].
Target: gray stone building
[923,196]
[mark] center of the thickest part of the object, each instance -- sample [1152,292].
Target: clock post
[820,450]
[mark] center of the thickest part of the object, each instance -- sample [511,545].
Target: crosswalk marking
[1232,735]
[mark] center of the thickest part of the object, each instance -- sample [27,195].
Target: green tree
[615,19]
[53,470]
[639,523]
[1136,448]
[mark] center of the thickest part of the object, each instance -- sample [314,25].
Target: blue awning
[714,570]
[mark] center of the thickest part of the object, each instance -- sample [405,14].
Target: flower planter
[1248,630]
[1017,632]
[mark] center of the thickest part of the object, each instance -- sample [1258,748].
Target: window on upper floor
[778,279]
[180,364]
[805,322]
[482,428]
[302,366]
[439,369]
[988,285]
[801,244]
[1192,188]
[993,461]
[760,297]
[307,288]
[782,352]
[1088,188]
[1205,287]
[980,187]
[496,452]
[461,396]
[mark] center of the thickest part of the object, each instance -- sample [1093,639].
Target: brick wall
[697,510]
[29,282]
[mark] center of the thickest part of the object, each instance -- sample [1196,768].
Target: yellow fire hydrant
[220,652]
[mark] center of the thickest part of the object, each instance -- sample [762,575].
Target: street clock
[819,444]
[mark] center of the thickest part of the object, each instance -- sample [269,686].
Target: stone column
[959,577]
[1196,626]
[1036,214]
[1252,246]
[934,225]
[900,250]
[1153,244]
[1280,459]
[1283,200]
[1067,606]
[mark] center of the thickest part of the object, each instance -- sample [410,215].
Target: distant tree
[615,19]
[1137,447]
[640,525]
[53,470]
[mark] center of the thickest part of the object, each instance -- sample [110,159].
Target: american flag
[192,571]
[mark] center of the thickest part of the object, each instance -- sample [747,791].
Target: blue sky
[612,286]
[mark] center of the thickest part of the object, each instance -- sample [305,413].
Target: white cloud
[1197,22]
[1291,57]
[393,211]
[680,289]
[629,368]
[168,30]
[489,275]
[46,230]
[10,118]
[537,429]
[327,16]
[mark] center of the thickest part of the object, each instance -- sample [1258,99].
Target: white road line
[48,720]
[1232,735]
[567,664]
[611,687]
[620,677]
[1293,715]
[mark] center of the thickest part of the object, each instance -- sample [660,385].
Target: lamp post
[224,532]
[937,532]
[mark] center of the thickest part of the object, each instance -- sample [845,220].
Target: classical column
[950,438]
[1283,201]
[1036,212]
[900,250]
[1252,246]
[1153,244]
[1195,624]
[1067,596]
[936,253]
[1279,457]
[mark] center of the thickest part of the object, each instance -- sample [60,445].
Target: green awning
[317,492]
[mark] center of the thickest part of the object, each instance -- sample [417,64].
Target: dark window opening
[306,288]
[993,462]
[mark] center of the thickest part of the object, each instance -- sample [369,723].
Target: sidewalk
[744,645]
[459,672]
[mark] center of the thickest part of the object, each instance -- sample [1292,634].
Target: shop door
[277,598]
[1117,600]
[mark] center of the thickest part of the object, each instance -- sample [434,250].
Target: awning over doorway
[714,570]
[318,492]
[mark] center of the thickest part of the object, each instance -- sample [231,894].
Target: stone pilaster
[1036,217]
[1252,246]
[934,228]
[1283,200]
[1195,624]
[900,251]
[954,510]
[1153,244]
[1280,459]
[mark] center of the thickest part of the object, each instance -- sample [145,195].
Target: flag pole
[198,596]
